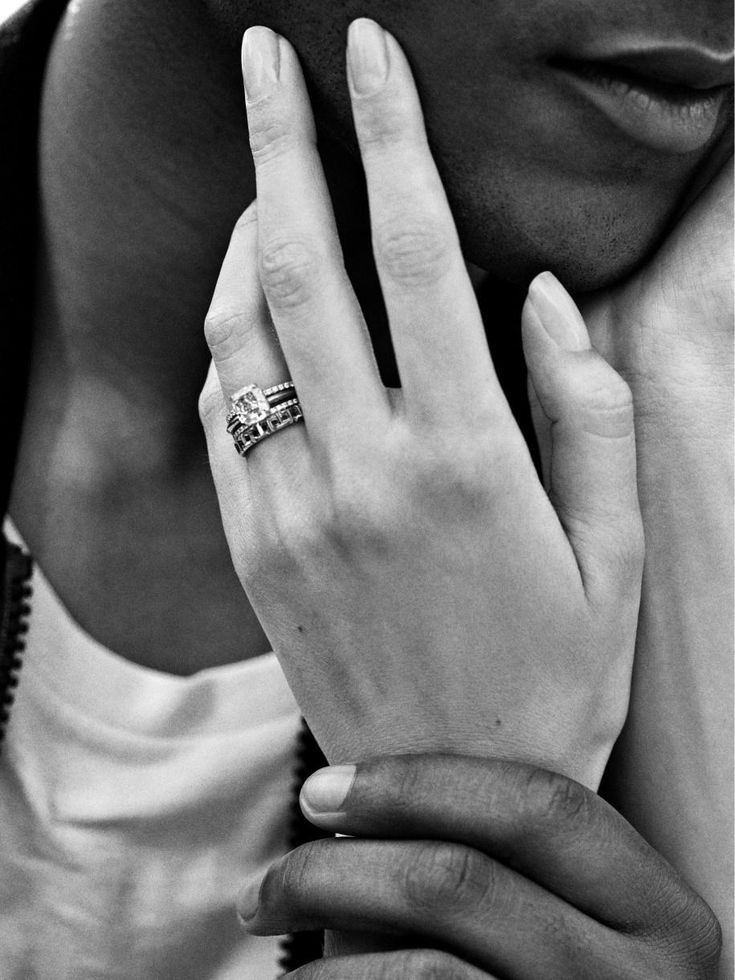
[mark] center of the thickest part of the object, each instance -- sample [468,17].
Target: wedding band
[279,418]
[257,413]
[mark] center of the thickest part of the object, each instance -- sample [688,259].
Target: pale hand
[420,587]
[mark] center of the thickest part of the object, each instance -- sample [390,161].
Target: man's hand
[496,869]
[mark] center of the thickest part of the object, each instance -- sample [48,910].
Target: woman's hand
[418,585]
[494,868]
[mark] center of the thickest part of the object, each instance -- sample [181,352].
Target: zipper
[13,626]
[301,948]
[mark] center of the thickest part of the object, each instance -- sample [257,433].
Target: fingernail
[248,900]
[327,789]
[558,313]
[367,56]
[261,61]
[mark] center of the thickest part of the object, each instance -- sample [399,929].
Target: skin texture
[119,107]
[510,870]
[670,333]
[410,582]
[117,212]
[536,178]
[669,329]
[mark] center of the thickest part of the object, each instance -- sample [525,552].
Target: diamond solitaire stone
[250,405]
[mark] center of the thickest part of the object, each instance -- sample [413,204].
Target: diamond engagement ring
[257,413]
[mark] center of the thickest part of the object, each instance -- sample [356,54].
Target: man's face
[565,130]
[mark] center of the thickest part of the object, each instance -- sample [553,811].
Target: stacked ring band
[257,413]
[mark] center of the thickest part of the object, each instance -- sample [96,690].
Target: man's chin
[583,262]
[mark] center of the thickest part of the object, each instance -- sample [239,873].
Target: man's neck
[144,168]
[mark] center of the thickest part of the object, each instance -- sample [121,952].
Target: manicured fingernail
[367,56]
[326,790]
[248,899]
[558,313]
[261,61]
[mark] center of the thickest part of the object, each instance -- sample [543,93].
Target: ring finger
[312,303]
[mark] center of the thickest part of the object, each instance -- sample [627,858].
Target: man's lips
[666,98]
[688,67]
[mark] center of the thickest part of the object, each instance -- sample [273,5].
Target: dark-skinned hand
[492,868]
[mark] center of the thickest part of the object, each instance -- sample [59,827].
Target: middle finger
[435,321]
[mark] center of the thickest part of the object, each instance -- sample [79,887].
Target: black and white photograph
[366,420]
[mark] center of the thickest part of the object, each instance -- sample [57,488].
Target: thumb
[592,465]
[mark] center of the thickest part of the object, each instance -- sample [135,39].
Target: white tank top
[133,804]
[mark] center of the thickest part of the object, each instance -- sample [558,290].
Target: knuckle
[292,542]
[384,122]
[553,799]
[288,269]
[444,879]
[294,874]
[434,484]
[248,218]
[459,471]
[693,930]
[222,329]
[427,964]
[606,402]
[402,785]
[360,533]
[617,539]
[357,517]
[619,545]
[270,137]
[412,250]
[280,545]
[559,940]
[709,943]
[211,403]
